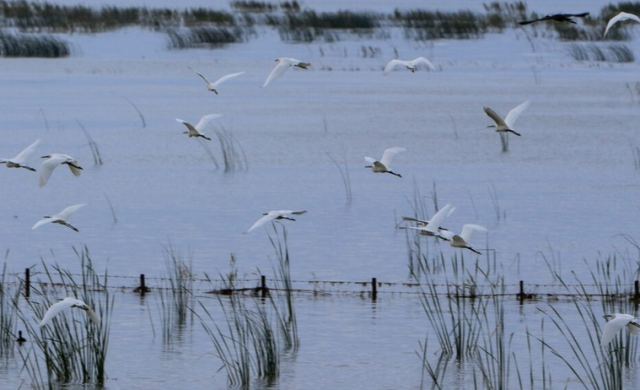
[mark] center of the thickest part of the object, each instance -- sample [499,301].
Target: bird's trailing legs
[394,174]
[473,250]
[67,224]
[514,132]
[14,165]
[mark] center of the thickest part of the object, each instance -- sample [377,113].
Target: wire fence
[521,290]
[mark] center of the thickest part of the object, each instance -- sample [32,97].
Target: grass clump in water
[72,347]
[617,53]
[32,45]
[202,37]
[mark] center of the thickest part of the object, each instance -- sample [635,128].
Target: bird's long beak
[491,126]
[47,156]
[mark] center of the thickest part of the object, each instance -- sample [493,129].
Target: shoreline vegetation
[28,26]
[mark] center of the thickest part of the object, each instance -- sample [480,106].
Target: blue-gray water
[568,185]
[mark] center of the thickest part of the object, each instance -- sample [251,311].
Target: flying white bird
[615,323]
[383,166]
[275,215]
[60,218]
[213,87]
[64,304]
[52,161]
[19,160]
[284,63]
[462,240]
[622,16]
[196,131]
[506,125]
[412,65]
[432,226]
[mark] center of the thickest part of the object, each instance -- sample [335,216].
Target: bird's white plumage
[213,86]
[225,78]
[41,222]
[204,121]
[622,16]
[436,221]
[23,156]
[613,326]
[500,123]
[195,131]
[283,63]
[65,304]
[412,64]
[468,229]
[63,215]
[66,213]
[446,234]
[272,215]
[389,153]
[52,162]
[515,112]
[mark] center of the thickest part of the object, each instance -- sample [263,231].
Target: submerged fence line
[260,285]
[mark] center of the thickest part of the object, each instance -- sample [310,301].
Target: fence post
[263,286]
[636,290]
[521,293]
[142,288]
[374,289]
[27,283]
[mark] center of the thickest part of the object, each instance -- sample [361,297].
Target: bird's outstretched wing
[41,222]
[525,22]
[206,80]
[75,168]
[411,219]
[580,15]
[22,157]
[264,219]
[613,326]
[67,212]
[419,228]
[64,304]
[468,229]
[389,153]
[47,167]
[496,118]
[204,121]
[391,65]
[515,112]
[438,218]
[423,61]
[277,71]
[225,78]
[189,126]
[622,16]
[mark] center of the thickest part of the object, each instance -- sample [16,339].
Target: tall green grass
[288,322]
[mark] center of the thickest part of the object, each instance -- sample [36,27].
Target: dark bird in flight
[557,18]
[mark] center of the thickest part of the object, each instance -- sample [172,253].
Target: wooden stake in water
[142,288]
[27,283]
[636,290]
[521,293]
[374,289]
[263,286]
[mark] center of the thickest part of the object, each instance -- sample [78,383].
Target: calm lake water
[568,188]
